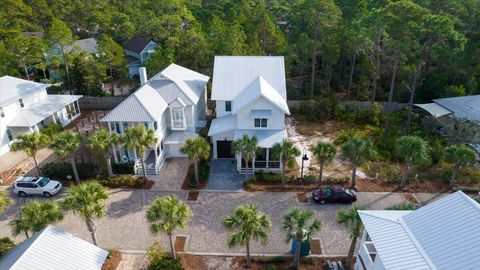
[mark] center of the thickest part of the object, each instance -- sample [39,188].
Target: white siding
[276,122]
[220,108]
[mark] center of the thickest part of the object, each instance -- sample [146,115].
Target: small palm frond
[351,220]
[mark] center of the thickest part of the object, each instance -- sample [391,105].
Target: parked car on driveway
[334,195]
[28,185]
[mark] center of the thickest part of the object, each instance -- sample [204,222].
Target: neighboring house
[450,110]
[173,103]
[441,235]
[52,248]
[137,51]
[87,45]
[251,99]
[25,107]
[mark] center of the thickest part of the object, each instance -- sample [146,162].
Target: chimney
[142,72]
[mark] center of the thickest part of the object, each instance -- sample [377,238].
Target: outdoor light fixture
[304,158]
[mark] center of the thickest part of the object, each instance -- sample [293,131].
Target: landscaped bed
[112,261]
[204,172]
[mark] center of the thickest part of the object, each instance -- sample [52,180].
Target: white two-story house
[442,235]
[26,107]
[173,103]
[251,99]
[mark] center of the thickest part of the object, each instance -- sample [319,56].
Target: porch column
[54,118]
[78,106]
[267,153]
[114,148]
[36,128]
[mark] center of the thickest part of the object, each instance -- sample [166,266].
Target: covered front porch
[153,158]
[264,161]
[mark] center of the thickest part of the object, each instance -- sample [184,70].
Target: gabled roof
[174,84]
[222,124]
[191,83]
[177,103]
[441,235]
[52,248]
[88,45]
[144,105]
[232,74]
[259,87]
[466,107]
[12,89]
[137,44]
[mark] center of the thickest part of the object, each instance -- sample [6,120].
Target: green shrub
[51,129]
[268,178]
[59,171]
[384,171]
[6,244]
[159,260]
[123,168]
[203,171]
[127,180]
[330,180]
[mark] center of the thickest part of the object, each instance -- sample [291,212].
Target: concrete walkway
[224,176]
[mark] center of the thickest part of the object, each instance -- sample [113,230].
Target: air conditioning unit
[125,159]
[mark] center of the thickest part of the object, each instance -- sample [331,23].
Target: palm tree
[459,156]
[286,153]
[196,149]
[4,201]
[325,152]
[139,138]
[300,226]
[101,141]
[86,199]
[30,143]
[247,148]
[352,221]
[412,150]
[35,216]
[249,224]
[166,215]
[66,144]
[357,150]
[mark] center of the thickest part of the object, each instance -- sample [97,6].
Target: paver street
[126,228]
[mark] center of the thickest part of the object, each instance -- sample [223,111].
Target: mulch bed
[302,197]
[112,261]
[193,195]
[148,185]
[315,246]
[180,242]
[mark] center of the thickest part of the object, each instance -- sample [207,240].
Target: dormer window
[21,103]
[2,114]
[228,106]
[178,119]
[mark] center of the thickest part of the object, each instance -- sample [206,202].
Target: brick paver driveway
[224,176]
[126,228]
[171,174]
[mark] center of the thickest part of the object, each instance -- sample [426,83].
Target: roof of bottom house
[52,248]
[41,110]
[440,235]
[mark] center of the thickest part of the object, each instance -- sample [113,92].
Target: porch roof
[42,109]
[222,124]
[434,109]
[266,138]
[179,137]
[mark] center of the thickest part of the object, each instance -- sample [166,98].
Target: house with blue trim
[137,51]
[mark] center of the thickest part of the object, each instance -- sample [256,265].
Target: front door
[224,149]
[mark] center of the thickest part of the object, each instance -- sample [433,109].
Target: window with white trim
[21,103]
[260,122]
[178,119]
[228,106]
[9,135]
[2,114]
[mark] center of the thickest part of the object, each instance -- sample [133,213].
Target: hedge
[59,171]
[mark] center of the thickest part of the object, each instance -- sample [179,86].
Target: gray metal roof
[441,235]
[42,109]
[88,45]
[232,74]
[179,137]
[467,107]
[52,248]
[12,89]
[222,124]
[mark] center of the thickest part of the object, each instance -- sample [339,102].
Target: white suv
[27,185]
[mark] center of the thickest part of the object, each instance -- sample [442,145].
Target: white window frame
[261,120]
[175,123]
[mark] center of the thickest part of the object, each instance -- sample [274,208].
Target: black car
[334,195]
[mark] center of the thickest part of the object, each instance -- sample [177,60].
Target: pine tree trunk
[376,68]
[405,175]
[352,68]
[44,74]
[74,168]
[354,176]
[249,259]
[36,164]
[390,97]
[314,61]
[172,247]
[349,263]
[92,229]
[197,178]
[321,174]
[26,234]
[454,175]
[413,89]
[26,71]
